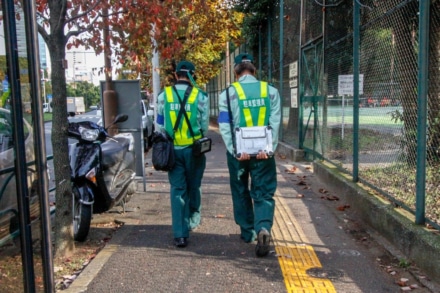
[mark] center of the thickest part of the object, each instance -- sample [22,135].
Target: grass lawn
[47,117]
[28,116]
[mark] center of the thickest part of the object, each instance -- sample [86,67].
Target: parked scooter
[102,171]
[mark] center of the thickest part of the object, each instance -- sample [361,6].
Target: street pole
[109,95]
[155,73]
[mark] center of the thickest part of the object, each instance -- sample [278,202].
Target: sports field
[379,118]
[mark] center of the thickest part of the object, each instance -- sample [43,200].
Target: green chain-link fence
[320,107]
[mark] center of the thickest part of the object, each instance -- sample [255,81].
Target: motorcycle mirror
[120,118]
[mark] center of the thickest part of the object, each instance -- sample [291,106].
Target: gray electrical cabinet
[129,102]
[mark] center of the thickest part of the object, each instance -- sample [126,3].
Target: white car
[147,123]
[47,108]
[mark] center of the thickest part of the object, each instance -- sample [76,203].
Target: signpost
[345,88]
[293,83]
[345,84]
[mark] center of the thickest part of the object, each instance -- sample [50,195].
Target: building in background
[21,42]
[43,53]
[84,65]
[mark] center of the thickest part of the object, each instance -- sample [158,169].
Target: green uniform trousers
[254,207]
[186,179]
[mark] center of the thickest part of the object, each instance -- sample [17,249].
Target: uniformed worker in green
[252,199]
[186,176]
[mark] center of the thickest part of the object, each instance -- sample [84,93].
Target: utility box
[129,102]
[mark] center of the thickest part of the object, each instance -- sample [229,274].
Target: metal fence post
[356,38]
[40,145]
[281,41]
[19,148]
[259,52]
[423,61]
[269,47]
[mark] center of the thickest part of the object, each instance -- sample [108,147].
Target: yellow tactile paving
[294,256]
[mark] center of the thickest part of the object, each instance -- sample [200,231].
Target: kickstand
[123,206]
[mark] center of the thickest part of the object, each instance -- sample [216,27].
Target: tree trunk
[64,244]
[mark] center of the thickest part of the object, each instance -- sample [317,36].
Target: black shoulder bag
[202,145]
[163,151]
[163,145]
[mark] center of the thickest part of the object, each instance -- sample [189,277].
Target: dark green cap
[185,66]
[243,57]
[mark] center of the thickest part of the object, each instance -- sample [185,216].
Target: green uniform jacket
[199,124]
[274,118]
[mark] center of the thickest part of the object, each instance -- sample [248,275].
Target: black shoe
[262,247]
[180,242]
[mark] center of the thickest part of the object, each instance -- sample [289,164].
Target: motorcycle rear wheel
[82,216]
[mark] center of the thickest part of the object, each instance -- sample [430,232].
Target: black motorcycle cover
[163,151]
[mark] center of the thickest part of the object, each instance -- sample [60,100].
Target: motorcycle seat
[113,151]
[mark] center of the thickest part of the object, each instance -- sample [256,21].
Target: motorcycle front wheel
[82,216]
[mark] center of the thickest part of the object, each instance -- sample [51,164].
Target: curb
[90,272]
[393,224]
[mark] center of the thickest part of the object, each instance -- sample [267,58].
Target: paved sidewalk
[316,247]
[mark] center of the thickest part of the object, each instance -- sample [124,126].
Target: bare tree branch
[74,18]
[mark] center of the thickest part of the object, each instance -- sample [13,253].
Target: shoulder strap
[231,120]
[182,109]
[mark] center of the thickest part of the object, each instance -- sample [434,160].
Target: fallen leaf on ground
[300,195]
[343,207]
[301,183]
[291,170]
[220,216]
[401,283]
[428,226]
[331,197]
[322,190]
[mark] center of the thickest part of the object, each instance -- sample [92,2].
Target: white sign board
[345,84]
[293,82]
[293,69]
[294,98]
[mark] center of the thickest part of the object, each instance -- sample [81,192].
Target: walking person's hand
[244,157]
[262,155]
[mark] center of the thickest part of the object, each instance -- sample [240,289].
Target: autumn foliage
[127,31]
[191,30]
